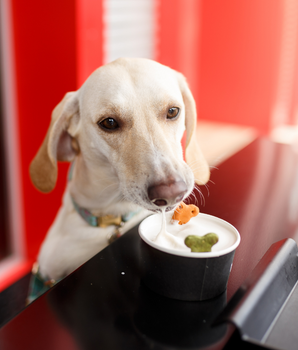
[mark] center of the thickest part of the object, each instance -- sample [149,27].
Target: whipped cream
[170,235]
[169,239]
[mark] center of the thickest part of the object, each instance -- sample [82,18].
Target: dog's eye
[109,124]
[173,113]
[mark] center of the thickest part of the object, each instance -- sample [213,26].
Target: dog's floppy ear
[58,144]
[193,153]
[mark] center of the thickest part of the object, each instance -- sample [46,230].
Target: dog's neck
[97,189]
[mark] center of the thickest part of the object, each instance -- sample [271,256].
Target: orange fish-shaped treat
[183,213]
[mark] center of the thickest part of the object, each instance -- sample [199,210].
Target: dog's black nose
[168,193]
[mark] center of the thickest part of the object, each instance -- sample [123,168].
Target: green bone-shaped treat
[201,243]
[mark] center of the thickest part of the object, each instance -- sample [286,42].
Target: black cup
[190,276]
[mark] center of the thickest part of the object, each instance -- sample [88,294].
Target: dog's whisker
[213,167]
[207,188]
[200,195]
[198,168]
[207,185]
[104,179]
[195,199]
[104,189]
[194,163]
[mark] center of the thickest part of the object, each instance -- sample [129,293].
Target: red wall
[229,51]
[45,51]
[57,45]
[89,33]
[179,37]
[51,59]
[239,65]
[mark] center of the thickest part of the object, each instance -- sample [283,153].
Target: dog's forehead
[133,81]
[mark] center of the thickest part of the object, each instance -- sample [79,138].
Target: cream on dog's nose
[169,193]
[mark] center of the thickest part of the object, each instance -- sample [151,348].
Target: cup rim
[194,254]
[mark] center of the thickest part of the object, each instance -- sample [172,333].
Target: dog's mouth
[149,205]
[170,208]
[167,209]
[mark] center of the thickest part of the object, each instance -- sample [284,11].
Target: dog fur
[113,169]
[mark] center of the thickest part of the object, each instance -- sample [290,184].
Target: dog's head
[128,117]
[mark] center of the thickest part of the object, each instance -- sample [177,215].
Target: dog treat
[201,243]
[183,213]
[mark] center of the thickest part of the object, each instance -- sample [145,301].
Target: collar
[100,221]
[105,220]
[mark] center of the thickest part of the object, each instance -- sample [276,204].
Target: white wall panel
[129,29]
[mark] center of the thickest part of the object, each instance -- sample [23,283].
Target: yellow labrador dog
[122,130]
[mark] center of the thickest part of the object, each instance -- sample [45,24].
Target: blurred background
[240,58]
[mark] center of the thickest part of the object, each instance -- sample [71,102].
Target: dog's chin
[156,209]
[146,204]
[159,210]
[152,207]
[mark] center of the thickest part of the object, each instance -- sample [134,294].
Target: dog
[122,131]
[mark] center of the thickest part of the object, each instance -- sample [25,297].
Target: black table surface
[104,305]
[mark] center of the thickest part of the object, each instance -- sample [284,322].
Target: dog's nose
[169,193]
